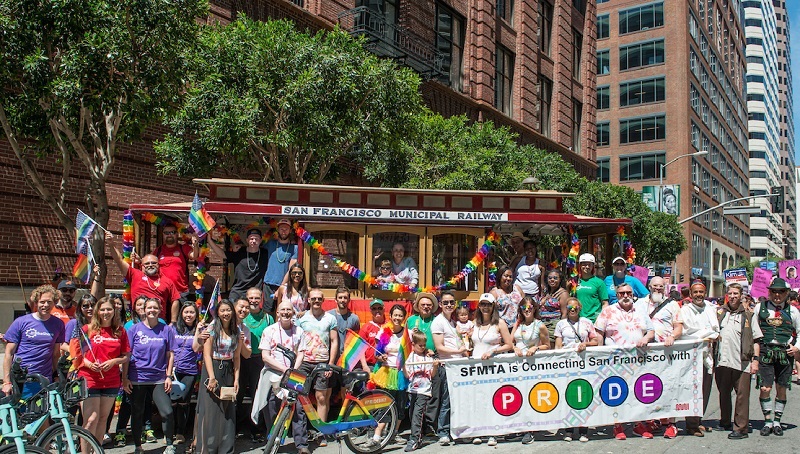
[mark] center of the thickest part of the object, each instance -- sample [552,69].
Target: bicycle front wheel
[277,431]
[11,449]
[383,409]
[54,440]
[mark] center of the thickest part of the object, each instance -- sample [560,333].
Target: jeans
[444,404]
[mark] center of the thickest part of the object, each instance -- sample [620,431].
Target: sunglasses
[448,302]
[149,263]
[485,304]
[624,293]
[778,291]
[386,267]
[573,308]
[296,273]
[526,308]
[316,300]
[86,306]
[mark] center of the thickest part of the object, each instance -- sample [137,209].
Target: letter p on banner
[507,400]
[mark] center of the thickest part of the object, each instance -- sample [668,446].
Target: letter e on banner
[648,388]
[507,400]
[614,391]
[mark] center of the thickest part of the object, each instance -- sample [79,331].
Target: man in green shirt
[591,290]
[256,321]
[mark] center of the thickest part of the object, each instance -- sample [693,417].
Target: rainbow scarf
[354,349]
[388,376]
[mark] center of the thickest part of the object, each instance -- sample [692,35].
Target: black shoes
[723,427]
[777,430]
[737,435]
[766,430]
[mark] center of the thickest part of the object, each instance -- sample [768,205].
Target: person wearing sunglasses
[65,308]
[774,321]
[449,344]
[622,325]
[174,257]
[700,322]
[591,290]
[82,317]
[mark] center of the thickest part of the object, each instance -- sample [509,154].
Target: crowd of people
[171,353]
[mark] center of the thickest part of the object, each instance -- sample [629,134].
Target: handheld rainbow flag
[390,376]
[212,302]
[83,265]
[199,219]
[354,349]
[85,228]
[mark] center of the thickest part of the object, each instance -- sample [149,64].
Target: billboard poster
[737,275]
[667,197]
[788,271]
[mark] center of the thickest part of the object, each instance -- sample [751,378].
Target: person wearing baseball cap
[64,310]
[249,263]
[619,277]
[591,290]
[282,253]
[370,330]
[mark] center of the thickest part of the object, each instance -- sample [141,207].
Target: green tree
[265,97]
[79,77]
[750,265]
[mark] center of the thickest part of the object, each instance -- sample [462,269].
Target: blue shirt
[279,257]
[639,290]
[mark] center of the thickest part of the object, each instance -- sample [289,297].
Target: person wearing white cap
[619,277]
[591,290]
[282,255]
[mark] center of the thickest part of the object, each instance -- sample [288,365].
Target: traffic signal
[777,200]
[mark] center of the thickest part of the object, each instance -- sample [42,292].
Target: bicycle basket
[75,392]
[34,407]
[295,380]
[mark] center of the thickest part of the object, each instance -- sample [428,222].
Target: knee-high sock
[779,406]
[766,408]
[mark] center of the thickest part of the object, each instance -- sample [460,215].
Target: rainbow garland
[127,248]
[200,272]
[627,247]
[357,273]
[572,259]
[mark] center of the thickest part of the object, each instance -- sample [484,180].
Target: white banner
[563,388]
[391,213]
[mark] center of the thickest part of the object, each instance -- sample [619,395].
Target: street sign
[741,210]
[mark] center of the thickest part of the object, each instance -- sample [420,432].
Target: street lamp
[661,174]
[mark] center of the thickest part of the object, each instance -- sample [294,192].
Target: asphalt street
[714,442]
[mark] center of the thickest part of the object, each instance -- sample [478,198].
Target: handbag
[227,393]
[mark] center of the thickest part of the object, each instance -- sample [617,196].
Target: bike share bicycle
[13,438]
[357,419]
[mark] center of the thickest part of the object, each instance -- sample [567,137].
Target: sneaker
[106,439]
[323,441]
[653,426]
[150,436]
[777,429]
[371,444]
[527,438]
[671,431]
[766,430]
[492,442]
[619,432]
[583,439]
[169,450]
[120,441]
[398,440]
[444,441]
[642,431]
[411,446]
[476,441]
[179,439]
[568,438]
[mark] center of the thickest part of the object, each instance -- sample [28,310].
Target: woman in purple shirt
[148,376]
[35,339]
[186,369]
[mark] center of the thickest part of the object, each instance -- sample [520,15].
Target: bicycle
[13,437]
[65,437]
[357,420]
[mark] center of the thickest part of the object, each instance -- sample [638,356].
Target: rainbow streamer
[391,377]
[572,259]
[127,249]
[627,247]
[357,273]
[200,273]
[353,351]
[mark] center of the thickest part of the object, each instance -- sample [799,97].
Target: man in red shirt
[149,283]
[174,258]
[370,331]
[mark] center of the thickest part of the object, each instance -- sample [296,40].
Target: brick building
[671,83]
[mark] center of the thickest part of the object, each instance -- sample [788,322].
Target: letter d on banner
[614,391]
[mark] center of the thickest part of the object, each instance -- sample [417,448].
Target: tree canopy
[266,97]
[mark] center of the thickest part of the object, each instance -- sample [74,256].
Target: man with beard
[620,276]
[249,263]
[64,309]
[700,322]
[282,255]
[665,314]
[149,283]
[174,258]
[737,353]
[774,322]
[622,325]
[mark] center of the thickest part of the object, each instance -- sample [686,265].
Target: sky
[793,8]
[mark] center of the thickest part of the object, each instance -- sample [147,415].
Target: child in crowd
[386,275]
[464,325]
[419,370]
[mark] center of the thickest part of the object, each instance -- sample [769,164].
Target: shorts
[103,392]
[30,388]
[320,383]
[769,374]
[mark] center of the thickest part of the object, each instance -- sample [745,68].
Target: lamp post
[661,174]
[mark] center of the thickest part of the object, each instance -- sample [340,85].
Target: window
[577,46]
[694,98]
[503,80]
[450,42]
[545,100]
[388,246]
[603,62]
[641,18]
[642,129]
[603,28]
[603,134]
[642,54]
[756,41]
[603,97]
[695,136]
[450,253]
[323,272]
[546,26]
[604,170]
[642,92]
[577,114]
[641,167]
[505,10]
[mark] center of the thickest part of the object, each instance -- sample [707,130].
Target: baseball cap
[376,302]
[254,232]
[284,221]
[66,283]
[487,297]
[619,259]
[584,258]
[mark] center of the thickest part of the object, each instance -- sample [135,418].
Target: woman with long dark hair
[553,303]
[186,368]
[83,315]
[221,360]
[295,291]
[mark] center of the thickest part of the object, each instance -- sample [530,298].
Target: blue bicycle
[13,438]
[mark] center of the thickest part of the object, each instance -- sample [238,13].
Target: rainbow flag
[354,349]
[83,265]
[199,219]
[212,301]
[296,381]
[84,225]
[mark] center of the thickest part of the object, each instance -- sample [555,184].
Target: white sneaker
[583,439]
[568,438]
[444,441]
[476,441]
[169,450]
[492,442]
